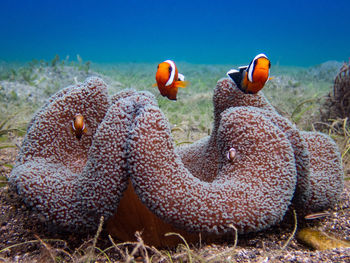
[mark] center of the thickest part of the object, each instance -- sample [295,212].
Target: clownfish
[78,127]
[252,78]
[231,154]
[169,79]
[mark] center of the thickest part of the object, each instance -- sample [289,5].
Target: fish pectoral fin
[181,77]
[181,84]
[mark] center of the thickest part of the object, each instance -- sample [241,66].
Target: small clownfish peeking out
[169,79]
[78,127]
[231,154]
[252,78]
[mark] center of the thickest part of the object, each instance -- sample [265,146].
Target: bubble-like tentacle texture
[326,174]
[73,182]
[105,176]
[59,94]
[309,181]
[49,133]
[301,155]
[251,193]
[201,157]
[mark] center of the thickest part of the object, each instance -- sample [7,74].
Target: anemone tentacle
[312,175]
[71,182]
[252,193]
[326,175]
[201,157]
[51,158]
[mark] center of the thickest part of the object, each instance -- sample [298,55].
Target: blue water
[290,32]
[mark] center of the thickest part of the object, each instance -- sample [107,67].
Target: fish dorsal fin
[232,71]
[242,68]
[172,74]
[252,64]
[236,76]
[181,77]
[261,55]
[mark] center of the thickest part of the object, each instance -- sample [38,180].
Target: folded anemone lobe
[132,214]
[68,181]
[164,196]
[50,158]
[201,157]
[49,134]
[309,182]
[107,169]
[312,176]
[301,154]
[226,93]
[252,193]
[326,175]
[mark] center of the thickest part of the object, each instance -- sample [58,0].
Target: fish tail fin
[182,84]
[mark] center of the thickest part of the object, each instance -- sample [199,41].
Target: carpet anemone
[125,166]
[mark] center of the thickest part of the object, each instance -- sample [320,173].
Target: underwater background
[47,45]
[291,32]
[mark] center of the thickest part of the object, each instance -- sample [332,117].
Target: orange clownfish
[78,126]
[250,79]
[169,79]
